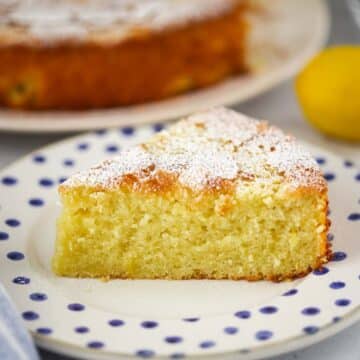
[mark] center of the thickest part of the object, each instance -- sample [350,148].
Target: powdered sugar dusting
[75,19]
[219,144]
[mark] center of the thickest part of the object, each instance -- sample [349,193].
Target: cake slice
[217,196]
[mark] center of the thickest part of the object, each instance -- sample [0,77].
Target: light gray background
[278,106]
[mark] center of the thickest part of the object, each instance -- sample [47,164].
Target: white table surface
[279,107]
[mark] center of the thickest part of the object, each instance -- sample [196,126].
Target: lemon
[328,90]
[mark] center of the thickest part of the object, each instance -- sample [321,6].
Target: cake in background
[72,54]
[217,196]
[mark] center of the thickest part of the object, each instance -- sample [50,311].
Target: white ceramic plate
[294,31]
[122,318]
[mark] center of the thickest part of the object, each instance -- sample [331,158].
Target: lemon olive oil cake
[58,54]
[217,196]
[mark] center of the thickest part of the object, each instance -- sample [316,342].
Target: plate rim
[266,351]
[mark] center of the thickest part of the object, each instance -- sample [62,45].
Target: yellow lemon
[328,90]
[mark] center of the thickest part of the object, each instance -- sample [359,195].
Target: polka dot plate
[120,319]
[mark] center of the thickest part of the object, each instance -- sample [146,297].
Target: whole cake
[77,54]
[217,196]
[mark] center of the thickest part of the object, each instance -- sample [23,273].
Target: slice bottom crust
[152,225]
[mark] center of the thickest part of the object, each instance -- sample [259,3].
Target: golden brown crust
[162,183]
[147,67]
[327,251]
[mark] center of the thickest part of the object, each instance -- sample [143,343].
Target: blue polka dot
[338,256]
[177,356]
[322,271]
[112,148]
[342,302]
[337,285]
[320,160]
[149,324]
[336,319]
[4,235]
[268,310]
[30,315]
[100,132]
[290,292]
[231,330]
[76,307]
[173,339]
[15,255]
[243,314]
[68,162]
[263,335]
[38,296]
[310,311]
[21,280]
[44,331]
[145,353]
[9,181]
[116,322]
[310,330]
[354,217]
[158,127]
[191,319]
[46,182]
[12,222]
[62,179]
[128,130]
[330,237]
[357,177]
[348,163]
[40,159]
[207,344]
[83,146]
[329,176]
[81,329]
[95,345]
[36,202]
